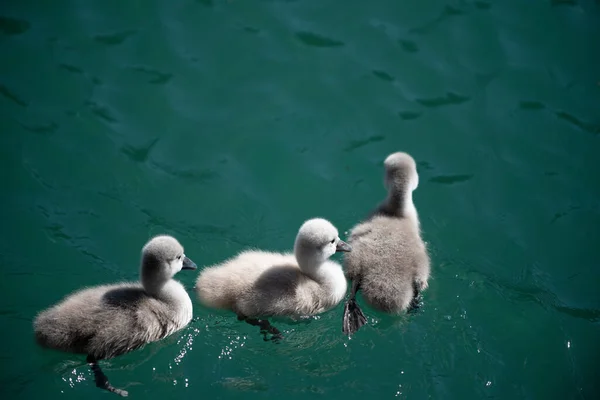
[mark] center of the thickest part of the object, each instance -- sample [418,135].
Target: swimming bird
[260,284]
[389,261]
[109,320]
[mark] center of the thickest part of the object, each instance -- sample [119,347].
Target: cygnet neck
[400,204]
[308,262]
[329,277]
[153,278]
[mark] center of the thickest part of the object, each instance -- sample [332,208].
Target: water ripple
[139,154]
[355,144]
[409,46]
[448,12]
[588,314]
[11,26]
[562,214]
[199,176]
[156,77]
[252,30]
[37,176]
[116,38]
[384,76]
[593,129]
[450,179]
[200,233]
[545,298]
[41,129]
[101,111]
[409,115]
[58,231]
[449,99]
[531,105]
[245,384]
[315,40]
[424,164]
[71,68]
[6,92]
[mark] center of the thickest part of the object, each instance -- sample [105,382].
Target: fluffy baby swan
[257,284]
[389,261]
[109,320]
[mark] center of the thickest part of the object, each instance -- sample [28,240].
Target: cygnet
[106,321]
[389,261]
[259,284]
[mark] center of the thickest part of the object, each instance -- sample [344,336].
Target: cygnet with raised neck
[260,284]
[389,262]
[109,320]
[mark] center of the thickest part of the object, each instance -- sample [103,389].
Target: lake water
[227,123]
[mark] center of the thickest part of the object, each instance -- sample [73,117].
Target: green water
[228,123]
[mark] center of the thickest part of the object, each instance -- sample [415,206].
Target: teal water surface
[228,123]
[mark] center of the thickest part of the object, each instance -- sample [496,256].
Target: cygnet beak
[188,264]
[342,246]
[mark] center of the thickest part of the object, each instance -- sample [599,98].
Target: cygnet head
[317,240]
[162,258]
[400,173]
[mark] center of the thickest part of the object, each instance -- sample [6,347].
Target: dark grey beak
[188,264]
[343,246]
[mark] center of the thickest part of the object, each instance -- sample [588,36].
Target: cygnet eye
[332,240]
[179,257]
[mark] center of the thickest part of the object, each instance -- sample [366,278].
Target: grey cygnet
[389,262]
[259,284]
[109,320]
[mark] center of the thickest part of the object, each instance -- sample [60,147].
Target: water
[228,123]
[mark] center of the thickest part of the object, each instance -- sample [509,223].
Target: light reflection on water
[75,377]
[234,343]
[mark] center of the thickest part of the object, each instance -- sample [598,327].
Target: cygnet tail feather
[354,318]
[217,288]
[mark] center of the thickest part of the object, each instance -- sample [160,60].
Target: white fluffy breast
[336,280]
[182,305]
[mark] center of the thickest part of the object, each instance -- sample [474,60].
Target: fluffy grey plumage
[389,261]
[262,284]
[109,320]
